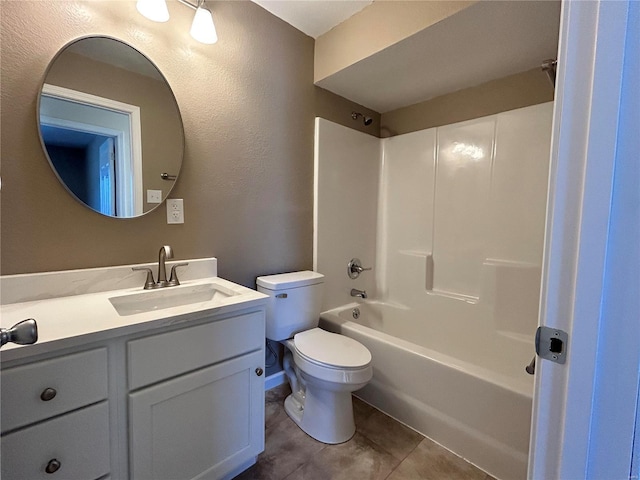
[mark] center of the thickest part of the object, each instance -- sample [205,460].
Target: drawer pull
[48,394]
[259,371]
[53,466]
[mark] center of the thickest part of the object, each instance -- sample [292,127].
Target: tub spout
[358,293]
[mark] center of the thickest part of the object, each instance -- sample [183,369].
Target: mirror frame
[44,147]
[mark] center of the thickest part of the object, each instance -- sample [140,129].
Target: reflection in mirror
[110,127]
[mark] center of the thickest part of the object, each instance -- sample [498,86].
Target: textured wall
[523,89]
[338,109]
[247,105]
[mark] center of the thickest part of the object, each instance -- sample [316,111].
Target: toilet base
[325,415]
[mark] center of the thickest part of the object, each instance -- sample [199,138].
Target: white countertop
[71,320]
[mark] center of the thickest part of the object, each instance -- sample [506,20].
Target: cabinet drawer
[158,357]
[74,381]
[79,441]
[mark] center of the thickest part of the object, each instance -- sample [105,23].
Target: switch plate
[154,196]
[175,210]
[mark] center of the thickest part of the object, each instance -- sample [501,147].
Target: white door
[71,109]
[107,177]
[584,412]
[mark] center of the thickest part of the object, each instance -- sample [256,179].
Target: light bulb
[155,10]
[202,28]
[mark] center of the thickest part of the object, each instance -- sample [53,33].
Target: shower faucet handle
[355,268]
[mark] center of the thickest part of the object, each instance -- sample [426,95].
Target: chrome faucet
[358,293]
[165,252]
[150,283]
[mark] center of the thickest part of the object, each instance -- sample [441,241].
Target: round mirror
[110,127]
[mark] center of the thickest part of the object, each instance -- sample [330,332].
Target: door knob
[22,333]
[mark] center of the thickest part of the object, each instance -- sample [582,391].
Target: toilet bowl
[322,368]
[325,379]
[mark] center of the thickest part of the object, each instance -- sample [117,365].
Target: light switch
[154,196]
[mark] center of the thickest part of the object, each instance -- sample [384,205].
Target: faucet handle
[173,279]
[149,282]
[355,268]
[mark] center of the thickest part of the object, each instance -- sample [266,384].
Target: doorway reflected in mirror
[110,126]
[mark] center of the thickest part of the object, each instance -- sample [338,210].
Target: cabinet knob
[53,466]
[48,394]
[259,371]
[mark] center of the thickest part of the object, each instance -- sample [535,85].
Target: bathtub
[480,410]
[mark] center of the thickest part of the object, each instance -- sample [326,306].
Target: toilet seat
[331,357]
[330,349]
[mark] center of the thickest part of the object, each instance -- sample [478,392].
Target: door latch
[551,344]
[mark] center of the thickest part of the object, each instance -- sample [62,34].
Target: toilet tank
[294,302]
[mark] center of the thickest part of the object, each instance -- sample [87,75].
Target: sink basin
[168,297]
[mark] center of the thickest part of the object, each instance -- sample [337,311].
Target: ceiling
[486,41]
[313,17]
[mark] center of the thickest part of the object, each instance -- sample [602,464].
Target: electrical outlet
[175,210]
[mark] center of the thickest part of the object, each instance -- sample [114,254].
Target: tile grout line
[401,461]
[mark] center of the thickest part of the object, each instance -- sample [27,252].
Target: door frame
[129,167]
[584,412]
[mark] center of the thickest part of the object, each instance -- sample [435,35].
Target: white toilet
[323,368]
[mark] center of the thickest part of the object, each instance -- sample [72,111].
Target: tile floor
[382,448]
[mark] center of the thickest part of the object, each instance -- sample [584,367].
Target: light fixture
[202,29]
[155,10]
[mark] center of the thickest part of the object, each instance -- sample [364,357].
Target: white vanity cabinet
[178,401]
[196,409]
[131,384]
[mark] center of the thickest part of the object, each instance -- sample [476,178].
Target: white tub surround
[460,214]
[346,177]
[131,383]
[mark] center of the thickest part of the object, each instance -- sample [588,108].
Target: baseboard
[274,380]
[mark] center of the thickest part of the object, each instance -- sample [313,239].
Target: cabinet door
[201,425]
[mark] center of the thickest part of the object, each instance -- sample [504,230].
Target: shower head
[366,120]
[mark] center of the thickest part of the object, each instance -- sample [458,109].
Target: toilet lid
[331,349]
